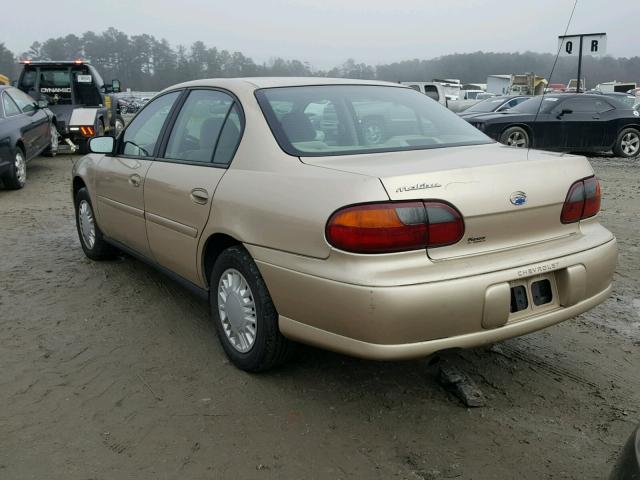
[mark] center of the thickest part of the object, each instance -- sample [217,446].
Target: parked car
[567,122]
[494,104]
[297,229]
[27,129]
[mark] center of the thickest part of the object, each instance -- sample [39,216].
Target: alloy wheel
[517,139]
[237,309]
[630,143]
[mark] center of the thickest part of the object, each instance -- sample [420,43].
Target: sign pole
[579,64]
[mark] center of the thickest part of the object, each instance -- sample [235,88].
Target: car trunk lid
[508,197]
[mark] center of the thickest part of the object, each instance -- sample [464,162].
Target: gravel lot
[111,371]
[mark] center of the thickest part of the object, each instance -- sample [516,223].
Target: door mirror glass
[115,86]
[43,103]
[102,144]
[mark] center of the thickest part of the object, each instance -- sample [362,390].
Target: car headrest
[298,127]
[209,131]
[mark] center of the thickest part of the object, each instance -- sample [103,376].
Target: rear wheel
[52,149]
[17,176]
[515,137]
[91,238]
[244,315]
[627,144]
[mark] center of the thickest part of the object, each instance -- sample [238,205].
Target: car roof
[273,82]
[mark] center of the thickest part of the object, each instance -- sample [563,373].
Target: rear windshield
[351,119]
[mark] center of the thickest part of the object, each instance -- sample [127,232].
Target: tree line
[143,62]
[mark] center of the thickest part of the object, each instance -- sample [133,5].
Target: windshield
[350,119]
[486,106]
[532,105]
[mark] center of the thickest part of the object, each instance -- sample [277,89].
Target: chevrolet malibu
[277,201]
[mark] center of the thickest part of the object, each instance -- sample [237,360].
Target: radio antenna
[566,30]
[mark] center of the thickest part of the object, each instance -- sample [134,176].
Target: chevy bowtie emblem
[518,198]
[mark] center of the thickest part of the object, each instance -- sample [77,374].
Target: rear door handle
[199,195]
[596,117]
[135,180]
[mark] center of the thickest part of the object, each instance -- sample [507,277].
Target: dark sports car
[567,122]
[27,129]
[493,104]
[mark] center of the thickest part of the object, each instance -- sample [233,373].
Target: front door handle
[596,117]
[199,195]
[135,180]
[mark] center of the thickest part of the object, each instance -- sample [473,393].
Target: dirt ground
[111,371]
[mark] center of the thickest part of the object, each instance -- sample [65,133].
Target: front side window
[351,119]
[10,107]
[25,102]
[580,105]
[198,126]
[141,136]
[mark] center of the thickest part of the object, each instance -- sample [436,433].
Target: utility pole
[580,64]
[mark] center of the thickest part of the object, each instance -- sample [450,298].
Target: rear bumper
[409,321]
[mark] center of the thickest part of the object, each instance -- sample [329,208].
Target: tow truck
[77,95]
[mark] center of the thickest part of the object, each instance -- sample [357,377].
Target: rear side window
[10,107]
[141,136]
[197,129]
[229,137]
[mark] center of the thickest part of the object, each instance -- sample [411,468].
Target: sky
[327,32]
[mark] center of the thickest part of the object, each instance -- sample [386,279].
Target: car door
[119,185]
[33,121]
[180,186]
[582,125]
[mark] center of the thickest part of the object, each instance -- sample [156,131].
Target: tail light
[583,201]
[394,227]
[87,131]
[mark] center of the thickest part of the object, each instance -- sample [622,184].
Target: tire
[94,246]
[515,137]
[17,177]
[627,144]
[52,149]
[237,289]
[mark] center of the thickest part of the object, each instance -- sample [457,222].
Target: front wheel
[17,176]
[627,144]
[515,137]
[91,238]
[244,315]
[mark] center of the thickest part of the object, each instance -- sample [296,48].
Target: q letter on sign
[592,45]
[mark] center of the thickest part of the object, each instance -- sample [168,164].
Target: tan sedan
[361,217]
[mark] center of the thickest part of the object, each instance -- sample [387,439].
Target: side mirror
[102,144]
[565,111]
[43,103]
[115,86]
